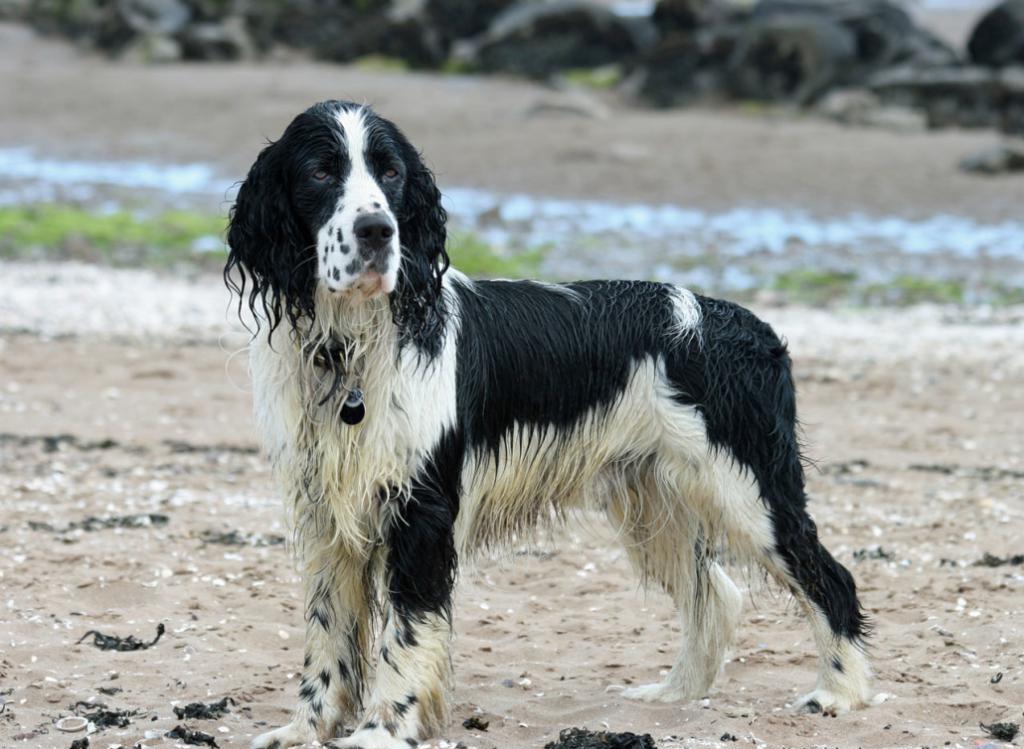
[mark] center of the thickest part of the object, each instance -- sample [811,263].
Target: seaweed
[204,711]
[98,714]
[125,644]
[991,560]
[873,552]
[92,523]
[581,738]
[82,743]
[473,723]
[191,736]
[1001,731]
[237,538]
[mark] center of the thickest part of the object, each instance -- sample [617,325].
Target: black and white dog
[414,416]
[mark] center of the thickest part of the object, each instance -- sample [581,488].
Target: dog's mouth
[370,284]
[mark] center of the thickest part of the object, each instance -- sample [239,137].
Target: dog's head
[340,205]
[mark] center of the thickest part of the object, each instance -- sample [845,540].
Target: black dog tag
[353,411]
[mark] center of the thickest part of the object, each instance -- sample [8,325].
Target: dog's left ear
[419,302]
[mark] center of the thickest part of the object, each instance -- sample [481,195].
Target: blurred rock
[884,33]
[152,48]
[405,32]
[14,10]
[217,41]
[861,108]
[950,96]
[539,39]
[998,38]
[93,23]
[682,68]
[462,19]
[163,17]
[681,15]
[792,58]
[1001,159]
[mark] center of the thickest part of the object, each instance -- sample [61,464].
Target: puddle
[735,249]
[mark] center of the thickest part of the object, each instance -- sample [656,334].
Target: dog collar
[328,356]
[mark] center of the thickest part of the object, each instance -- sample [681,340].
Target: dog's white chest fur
[345,470]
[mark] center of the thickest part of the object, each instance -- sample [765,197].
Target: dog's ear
[422,230]
[267,247]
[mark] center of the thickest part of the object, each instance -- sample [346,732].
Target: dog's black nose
[374,231]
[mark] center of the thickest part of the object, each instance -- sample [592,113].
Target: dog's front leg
[409,701]
[338,604]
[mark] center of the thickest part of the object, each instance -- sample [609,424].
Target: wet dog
[414,416]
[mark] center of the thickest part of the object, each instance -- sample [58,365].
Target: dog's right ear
[267,245]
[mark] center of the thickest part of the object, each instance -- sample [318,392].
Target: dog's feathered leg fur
[338,636]
[409,701]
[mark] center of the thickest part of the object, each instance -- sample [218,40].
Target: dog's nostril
[373,229]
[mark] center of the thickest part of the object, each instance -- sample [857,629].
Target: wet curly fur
[492,407]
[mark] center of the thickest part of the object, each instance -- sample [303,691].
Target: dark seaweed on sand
[1001,731]
[237,538]
[125,644]
[191,736]
[82,743]
[473,723]
[991,560]
[204,711]
[98,714]
[92,523]
[581,738]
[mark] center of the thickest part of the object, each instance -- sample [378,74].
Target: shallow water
[737,249]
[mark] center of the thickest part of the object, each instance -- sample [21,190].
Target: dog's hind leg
[666,543]
[775,530]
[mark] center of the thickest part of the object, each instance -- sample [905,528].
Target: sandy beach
[124,393]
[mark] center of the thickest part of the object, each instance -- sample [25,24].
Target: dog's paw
[373,738]
[285,736]
[658,692]
[827,702]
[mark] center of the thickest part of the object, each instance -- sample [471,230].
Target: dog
[413,416]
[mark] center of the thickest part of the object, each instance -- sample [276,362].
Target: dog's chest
[409,402]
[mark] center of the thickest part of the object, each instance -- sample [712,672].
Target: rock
[884,33]
[681,15]
[162,17]
[861,108]
[330,29]
[539,39]
[462,19]
[93,23]
[404,32]
[217,41]
[998,38]
[14,10]
[950,96]
[790,58]
[1001,159]
[682,68]
[152,48]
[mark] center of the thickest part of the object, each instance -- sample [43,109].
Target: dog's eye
[390,173]
[320,175]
